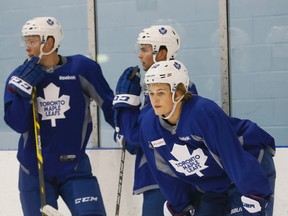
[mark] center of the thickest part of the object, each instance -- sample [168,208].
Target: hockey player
[190,143]
[64,88]
[155,43]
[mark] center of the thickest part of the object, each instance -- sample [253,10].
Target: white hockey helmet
[44,27]
[161,35]
[172,72]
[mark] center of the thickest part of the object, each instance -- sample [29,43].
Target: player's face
[145,54]
[32,44]
[161,98]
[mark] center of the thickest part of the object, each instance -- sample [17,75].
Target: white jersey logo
[187,163]
[53,107]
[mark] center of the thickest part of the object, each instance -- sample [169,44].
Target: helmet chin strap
[174,106]
[43,53]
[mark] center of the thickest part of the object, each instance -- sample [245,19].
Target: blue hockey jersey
[63,99]
[204,151]
[143,179]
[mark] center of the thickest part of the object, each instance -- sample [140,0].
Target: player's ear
[49,43]
[161,55]
[178,95]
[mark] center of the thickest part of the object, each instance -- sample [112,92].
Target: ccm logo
[85,199]
[21,84]
[121,98]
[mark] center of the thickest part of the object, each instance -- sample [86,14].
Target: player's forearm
[130,128]
[18,114]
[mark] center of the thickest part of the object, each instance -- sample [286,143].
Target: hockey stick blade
[50,211]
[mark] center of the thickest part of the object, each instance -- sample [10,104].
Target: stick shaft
[120,180]
[38,148]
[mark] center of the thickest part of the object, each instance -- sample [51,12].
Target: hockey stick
[45,209]
[50,211]
[121,142]
[38,149]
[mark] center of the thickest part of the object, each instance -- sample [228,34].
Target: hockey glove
[168,211]
[119,139]
[128,90]
[254,206]
[26,77]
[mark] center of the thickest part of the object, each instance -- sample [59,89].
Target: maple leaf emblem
[53,107]
[187,163]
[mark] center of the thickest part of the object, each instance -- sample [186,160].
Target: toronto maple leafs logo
[53,107]
[50,22]
[177,65]
[162,31]
[187,163]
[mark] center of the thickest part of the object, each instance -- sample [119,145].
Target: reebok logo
[67,77]
[186,138]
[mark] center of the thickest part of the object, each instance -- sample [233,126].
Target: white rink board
[106,165]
